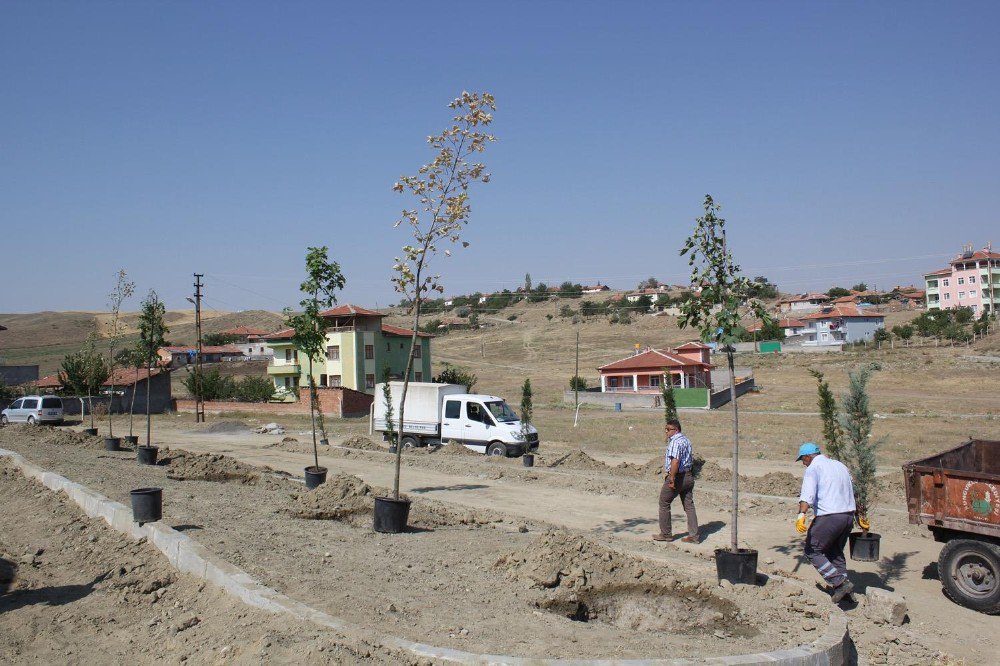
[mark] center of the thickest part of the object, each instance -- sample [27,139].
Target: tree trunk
[131,407]
[312,411]
[734,542]
[149,426]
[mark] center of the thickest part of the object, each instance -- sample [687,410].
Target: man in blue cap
[828,489]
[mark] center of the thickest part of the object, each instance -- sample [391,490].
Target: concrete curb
[187,555]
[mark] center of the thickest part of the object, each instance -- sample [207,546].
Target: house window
[288,355]
[626,382]
[418,376]
[416,351]
[947,297]
[333,353]
[961,295]
[369,381]
[972,279]
[944,282]
[654,380]
[972,293]
[388,346]
[961,280]
[370,352]
[612,382]
[335,380]
[322,380]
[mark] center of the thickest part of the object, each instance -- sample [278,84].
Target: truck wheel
[410,442]
[970,573]
[496,449]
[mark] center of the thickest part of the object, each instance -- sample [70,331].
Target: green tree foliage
[474,320]
[763,288]
[456,374]
[566,311]
[669,399]
[323,280]
[861,286]
[84,372]
[527,410]
[881,335]
[218,339]
[570,290]
[837,292]
[903,332]
[577,383]
[527,283]
[390,427]
[123,291]
[833,433]
[716,309]
[648,283]
[442,189]
[433,326]
[592,309]
[857,419]
[539,293]
[214,385]
[641,304]
[619,316]
[254,388]
[152,336]
[963,315]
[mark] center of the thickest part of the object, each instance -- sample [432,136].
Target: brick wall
[335,402]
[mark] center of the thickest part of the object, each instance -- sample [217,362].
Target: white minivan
[34,409]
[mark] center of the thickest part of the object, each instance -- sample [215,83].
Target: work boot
[842,591]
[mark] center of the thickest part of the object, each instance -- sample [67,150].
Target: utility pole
[576,374]
[199,404]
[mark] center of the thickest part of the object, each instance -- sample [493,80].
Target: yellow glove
[800,524]
[863,523]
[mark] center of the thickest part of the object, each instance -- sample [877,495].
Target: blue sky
[846,141]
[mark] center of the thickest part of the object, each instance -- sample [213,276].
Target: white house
[840,325]
[803,303]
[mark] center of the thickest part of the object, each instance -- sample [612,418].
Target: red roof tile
[782,323]
[127,376]
[693,345]
[49,381]
[977,255]
[943,271]
[403,332]
[285,334]
[350,311]
[654,358]
[206,349]
[244,330]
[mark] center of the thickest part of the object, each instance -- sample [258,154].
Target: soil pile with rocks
[61,437]
[185,466]
[578,460]
[222,427]
[772,483]
[363,443]
[455,449]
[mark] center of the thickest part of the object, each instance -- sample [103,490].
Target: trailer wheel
[497,449]
[970,572]
[410,442]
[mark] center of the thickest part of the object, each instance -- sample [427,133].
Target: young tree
[837,292]
[84,372]
[669,399]
[716,310]
[323,280]
[390,428]
[442,189]
[857,420]
[833,433]
[152,336]
[577,383]
[123,290]
[135,358]
[456,374]
[527,411]
[527,283]
[861,286]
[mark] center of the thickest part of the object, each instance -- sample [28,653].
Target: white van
[438,413]
[34,409]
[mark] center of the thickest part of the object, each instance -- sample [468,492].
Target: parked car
[34,409]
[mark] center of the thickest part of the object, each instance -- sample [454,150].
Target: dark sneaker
[662,537]
[842,591]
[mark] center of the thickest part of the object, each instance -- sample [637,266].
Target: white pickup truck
[438,413]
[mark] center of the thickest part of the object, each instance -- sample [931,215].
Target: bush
[904,332]
[566,311]
[511,317]
[214,386]
[455,374]
[881,335]
[253,389]
[577,383]
[591,309]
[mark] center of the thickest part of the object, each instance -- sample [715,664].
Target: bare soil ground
[549,547]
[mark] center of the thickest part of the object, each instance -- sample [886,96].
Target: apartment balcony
[284,369]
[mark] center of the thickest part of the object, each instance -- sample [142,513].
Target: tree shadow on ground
[7,571]
[457,486]
[892,568]
[708,529]
[634,525]
[931,572]
[185,527]
[57,595]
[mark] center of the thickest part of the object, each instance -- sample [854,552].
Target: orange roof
[350,311]
[847,299]
[654,358]
[49,381]
[842,312]
[403,332]
[693,345]
[978,254]
[244,330]
[782,323]
[943,271]
[206,349]
[284,334]
[127,376]
[805,297]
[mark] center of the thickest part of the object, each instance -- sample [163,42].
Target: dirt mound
[184,466]
[225,427]
[712,471]
[454,449]
[362,442]
[578,460]
[62,437]
[772,483]
[652,468]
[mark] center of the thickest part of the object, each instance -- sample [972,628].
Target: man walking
[827,488]
[678,480]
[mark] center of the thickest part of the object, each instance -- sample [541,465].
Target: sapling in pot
[122,291]
[442,189]
[152,336]
[527,410]
[323,280]
[715,310]
[857,420]
[83,373]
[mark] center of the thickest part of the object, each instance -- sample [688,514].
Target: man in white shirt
[828,489]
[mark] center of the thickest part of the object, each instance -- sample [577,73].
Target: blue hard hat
[807,449]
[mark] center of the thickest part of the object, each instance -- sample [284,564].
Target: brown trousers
[685,488]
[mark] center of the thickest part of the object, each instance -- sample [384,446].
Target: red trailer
[957,495]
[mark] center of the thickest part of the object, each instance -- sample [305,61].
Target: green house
[359,347]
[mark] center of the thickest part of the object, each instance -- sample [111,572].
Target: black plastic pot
[92,432]
[528,460]
[113,443]
[392,448]
[315,476]
[147,505]
[391,515]
[738,567]
[146,455]
[132,439]
[324,442]
[864,547]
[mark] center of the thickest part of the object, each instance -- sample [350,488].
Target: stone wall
[337,402]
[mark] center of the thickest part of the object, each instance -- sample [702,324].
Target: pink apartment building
[972,280]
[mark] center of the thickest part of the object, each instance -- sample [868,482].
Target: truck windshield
[501,411]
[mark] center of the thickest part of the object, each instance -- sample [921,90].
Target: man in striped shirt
[678,480]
